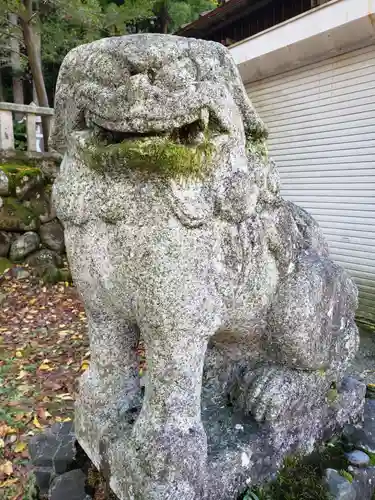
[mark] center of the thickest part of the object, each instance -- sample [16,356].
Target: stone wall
[30,233]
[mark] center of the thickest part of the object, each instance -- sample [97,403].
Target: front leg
[110,387]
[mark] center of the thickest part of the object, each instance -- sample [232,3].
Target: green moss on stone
[296,480]
[155,155]
[15,216]
[17,174]
[4,265]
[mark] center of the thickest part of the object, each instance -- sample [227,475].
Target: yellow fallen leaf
[58,419]
[19,354]
[84,366]
[7,468]
[370,385]
[67,419]
[5,430]
[32,301]
[37,424]
[8,482]
[45,368]
[20,446]
[2,444]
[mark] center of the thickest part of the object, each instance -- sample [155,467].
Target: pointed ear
[191,202]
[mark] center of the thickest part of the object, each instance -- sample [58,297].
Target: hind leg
[311,338]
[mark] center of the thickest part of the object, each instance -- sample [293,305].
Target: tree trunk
[164,18]
[15,61]
[36,68]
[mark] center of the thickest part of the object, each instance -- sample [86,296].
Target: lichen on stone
[155,155]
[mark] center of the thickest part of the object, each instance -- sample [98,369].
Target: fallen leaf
[36,422]
[2,444]
[67,419]
[21,375]
[84,366]
[7,468]
[65,397]
[20,446]
[9,482]
[45,368]
[5,429]
[19,354]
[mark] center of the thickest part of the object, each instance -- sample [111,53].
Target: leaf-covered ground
[43,349]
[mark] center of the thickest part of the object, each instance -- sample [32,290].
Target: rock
[54,449]
[20,274]
[23,246]
[339,487]
[176,230]
[358,458]
[70,485]
[52,236]
[44,258]
[5,239]
[14,216]
[364,483]
[43,477]
[30,186]
[4,184]
[363,436]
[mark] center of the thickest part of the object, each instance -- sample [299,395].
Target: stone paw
[271,393]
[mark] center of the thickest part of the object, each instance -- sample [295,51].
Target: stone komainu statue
[176,232]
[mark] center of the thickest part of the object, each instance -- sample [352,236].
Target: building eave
[328,30]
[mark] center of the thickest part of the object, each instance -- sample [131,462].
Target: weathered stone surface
[363,434]
[54,449]
[364,483]
[358,458]
[70,485]
[5,239]
[4,184]
[52,236]
[248,324]
[23,245]
[339,487]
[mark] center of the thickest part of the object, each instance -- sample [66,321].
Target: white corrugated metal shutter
[321,120]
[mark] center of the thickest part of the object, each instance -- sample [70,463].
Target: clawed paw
[271,393]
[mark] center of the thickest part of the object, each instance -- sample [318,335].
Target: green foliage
[158,155]
[171,14]
[345,474]
[19,131]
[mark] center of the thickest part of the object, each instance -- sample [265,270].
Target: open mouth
[183,152]
[189,134]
